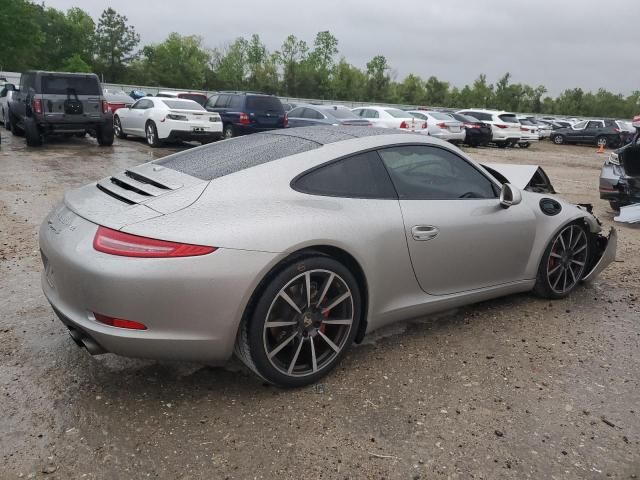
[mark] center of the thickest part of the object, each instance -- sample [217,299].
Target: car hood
[526,177]
[135,195]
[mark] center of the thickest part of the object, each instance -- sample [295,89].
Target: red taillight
[123,244]
[36,105]
[115,106]
[473,125]
[501,126]
[286,120]
[443,126]
[105,106]
[404,124]
[244,119]
[425,125]
[524,129]
[119,322]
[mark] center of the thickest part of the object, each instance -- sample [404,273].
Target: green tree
[76,64]
[411,90]
[291,55]
[348,82]
[230,66]
[20,35]
[378,79]
[436,92]
[177,62]
[115,42]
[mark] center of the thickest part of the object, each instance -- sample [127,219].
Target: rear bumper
[447,135]
[189,136]
[191,306]
[47,126]
[242,129]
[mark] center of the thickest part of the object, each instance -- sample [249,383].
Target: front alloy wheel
[564,263]
[303,323]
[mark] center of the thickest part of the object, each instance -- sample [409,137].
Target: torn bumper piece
[629,214]
[607,247]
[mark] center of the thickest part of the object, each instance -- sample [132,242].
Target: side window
[297,113]
[313,114]
[359,176]
[595,124]
[140,104]
[223,101]
[211,102]
[580,125]
[357,112]
[431,173]
[235,102]
[368,113]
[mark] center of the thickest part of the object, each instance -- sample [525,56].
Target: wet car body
[242,213]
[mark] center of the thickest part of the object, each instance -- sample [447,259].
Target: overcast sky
[559,44]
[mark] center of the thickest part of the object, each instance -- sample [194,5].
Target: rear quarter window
[508,118]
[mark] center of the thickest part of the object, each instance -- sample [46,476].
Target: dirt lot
[512,388]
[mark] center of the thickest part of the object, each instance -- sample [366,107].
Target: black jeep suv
[51,103]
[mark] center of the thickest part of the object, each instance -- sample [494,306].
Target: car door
[576,133]
[314,117]
[458,235]
[374,117]
[134,122]
[593,129]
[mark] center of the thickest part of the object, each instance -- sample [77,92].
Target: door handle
[422,233]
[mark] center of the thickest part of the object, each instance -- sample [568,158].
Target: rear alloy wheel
[564,262]
[558,139]
[228,131]
[117,127]
[303,323]
[602,141]
[151,133]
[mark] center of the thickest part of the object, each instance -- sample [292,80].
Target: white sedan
[441,125]
[167,119]
[388,117]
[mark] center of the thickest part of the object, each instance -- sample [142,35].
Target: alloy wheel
[567,259]
[117,126]
[151,140]
[308,323]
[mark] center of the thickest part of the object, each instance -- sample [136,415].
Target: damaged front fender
[605,254]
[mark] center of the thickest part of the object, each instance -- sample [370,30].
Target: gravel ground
[512,388]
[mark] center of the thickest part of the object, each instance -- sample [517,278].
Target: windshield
[59,85]
[183,104]
[395,113]
[199,98]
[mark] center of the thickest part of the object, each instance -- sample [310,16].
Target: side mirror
[10,87]
[509,196]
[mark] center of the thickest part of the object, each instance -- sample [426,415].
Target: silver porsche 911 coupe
[288,246]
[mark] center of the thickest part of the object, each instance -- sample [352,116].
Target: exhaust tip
[92,347]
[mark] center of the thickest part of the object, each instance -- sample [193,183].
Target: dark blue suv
[245,112]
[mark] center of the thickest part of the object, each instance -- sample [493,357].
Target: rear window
[508,118]
[199,98]
[230,156]
[183,104]
[441,116]
[56,85]
[343,113]
[394,112]
[264,104]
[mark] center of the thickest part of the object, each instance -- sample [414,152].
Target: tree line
[34,36]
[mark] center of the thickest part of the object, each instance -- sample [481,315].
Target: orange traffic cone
[601,148]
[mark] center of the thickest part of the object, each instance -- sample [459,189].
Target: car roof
[166,92]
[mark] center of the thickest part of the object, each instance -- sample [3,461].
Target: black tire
[151,134]
[228,131]
[602,141]
[502,144]
[117,127]
[104,135]
[558,139]
[32,133]
[15,130]
[547,285]
[306,352]
[615,205]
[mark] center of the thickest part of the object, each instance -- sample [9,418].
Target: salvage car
[388,117]
[620,177]
[604,133]
[117,99]
[528,132]
[288,246]
[505,128]
[160,120]
[441,125]
[336,115]
[477,133]
[58,103]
